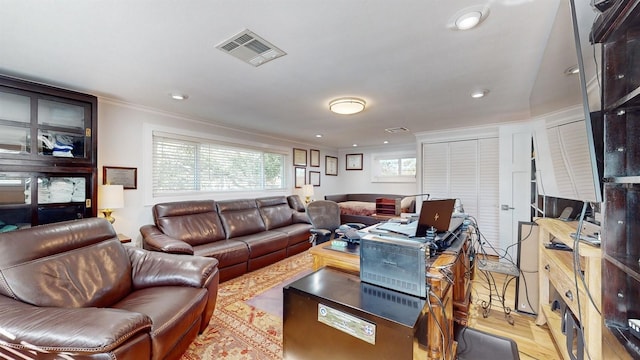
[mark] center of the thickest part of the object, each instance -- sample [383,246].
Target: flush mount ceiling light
[479,94]
[347,106]
[177,96]
[468,18]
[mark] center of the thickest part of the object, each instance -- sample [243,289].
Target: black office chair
[479,345]
[324,216]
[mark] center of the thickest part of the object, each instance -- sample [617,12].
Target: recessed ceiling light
[354,145]
[318,135]
[479,94]
[347,106]
[469,17]
[385,142]
[572,70]
[468,20]
[177,96]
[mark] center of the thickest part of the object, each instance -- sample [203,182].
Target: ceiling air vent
[396,130]
[250,48]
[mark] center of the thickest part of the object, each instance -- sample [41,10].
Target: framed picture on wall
[331,165]
[117,175]
[354,162]
[314,178]
[314,160]
[300,176]
[299,157]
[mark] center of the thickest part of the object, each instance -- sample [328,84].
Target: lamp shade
[110,196]
[307,190]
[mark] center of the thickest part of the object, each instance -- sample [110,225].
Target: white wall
[359,181]
[122,141]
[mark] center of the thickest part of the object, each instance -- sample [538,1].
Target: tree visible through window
[181,165]
[394,168]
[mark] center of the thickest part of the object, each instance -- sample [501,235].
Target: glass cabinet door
[15,202]
[62,129]
[15,119]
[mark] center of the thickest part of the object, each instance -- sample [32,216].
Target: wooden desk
[450,290]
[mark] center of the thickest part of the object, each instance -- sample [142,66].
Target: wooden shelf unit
[48,154]
[385,206]
[556,269]
[618,30]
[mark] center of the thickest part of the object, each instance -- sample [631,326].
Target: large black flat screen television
[583,16]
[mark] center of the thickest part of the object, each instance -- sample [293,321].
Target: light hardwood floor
[534,342]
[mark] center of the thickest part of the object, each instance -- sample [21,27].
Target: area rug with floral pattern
[247,321]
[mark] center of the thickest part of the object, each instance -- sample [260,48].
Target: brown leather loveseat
[244,235]
[73,289]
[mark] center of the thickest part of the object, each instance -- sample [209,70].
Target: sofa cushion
[227,252]
[82,267]
[275,212]
[296,233]
[194,222]
[87,330]
[172,309]
[264,243]
[240,217]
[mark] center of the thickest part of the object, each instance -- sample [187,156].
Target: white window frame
[376,171]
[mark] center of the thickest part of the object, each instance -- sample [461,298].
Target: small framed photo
[331,165]
[299,157]
[314,178]
[300,176]
[125,176]
[314,160]
[354,162]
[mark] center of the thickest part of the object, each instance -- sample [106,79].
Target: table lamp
[110,197]
[307,191]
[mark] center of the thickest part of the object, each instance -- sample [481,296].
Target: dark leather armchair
[72,288]
[325,221]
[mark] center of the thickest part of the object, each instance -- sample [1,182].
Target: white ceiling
[400,56]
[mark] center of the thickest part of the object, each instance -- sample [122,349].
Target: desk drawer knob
[569,295]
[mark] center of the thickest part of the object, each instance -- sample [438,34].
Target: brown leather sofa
[72,288]
[244,235]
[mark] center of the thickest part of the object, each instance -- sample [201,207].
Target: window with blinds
[186,165]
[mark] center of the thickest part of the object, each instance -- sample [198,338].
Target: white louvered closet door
[468,170]
[489,192]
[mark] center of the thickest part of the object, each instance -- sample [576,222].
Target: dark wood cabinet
[618,30]
[48,154]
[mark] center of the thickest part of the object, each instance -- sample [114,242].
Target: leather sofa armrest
[151,268]
[69,330]
[154,239]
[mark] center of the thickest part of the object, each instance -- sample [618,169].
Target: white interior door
[515,184]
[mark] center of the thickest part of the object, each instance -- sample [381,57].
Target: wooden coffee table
[324,256]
